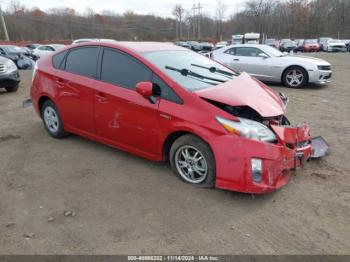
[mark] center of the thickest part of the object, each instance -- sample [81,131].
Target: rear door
[121,114]
[74,86]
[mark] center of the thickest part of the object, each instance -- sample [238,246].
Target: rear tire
[295,77]
[193,161]
[52,120]
[12,89]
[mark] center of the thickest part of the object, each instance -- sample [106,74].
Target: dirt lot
[123,204]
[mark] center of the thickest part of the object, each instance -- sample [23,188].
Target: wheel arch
[288,67]
[42,100]
[172,137]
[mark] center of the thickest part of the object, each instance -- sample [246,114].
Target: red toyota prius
[162,102]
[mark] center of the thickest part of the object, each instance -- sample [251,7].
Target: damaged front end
[297,139]
[261,146]
[268,159]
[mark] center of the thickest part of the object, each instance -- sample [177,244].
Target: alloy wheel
[191,164]
[51,119]
[295,77]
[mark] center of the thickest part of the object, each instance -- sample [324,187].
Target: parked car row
[197,46]
[14,57]
[310,45]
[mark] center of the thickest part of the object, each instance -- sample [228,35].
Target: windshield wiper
[186,72]
[214,70]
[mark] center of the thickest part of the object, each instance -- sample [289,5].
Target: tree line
[273,18]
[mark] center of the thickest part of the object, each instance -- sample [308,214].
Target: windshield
[289,43]
[272,51]
[285,40]
[189,69]
[335,41]
[58,46]
[11,49]
[311,41]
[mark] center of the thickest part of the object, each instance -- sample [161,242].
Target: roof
[141,47]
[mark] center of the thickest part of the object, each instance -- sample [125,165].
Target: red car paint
[124,119]
[311,47]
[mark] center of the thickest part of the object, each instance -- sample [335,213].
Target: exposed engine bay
[249,113]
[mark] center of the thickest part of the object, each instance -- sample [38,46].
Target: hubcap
[295,77]
[191,164]
[51,119]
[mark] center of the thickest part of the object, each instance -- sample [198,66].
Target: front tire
[295,77]
[193,161]
[52,120]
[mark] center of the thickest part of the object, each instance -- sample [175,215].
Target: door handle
[236,59]
[101,97]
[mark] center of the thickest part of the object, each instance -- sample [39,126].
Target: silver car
[270,65]
[334,45]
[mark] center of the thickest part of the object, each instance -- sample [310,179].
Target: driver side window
[123,70]
[248,51]
[231,51]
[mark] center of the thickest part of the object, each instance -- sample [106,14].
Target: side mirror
[263,55]
[145,89]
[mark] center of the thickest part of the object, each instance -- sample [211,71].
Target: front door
[122,115]
[247,59]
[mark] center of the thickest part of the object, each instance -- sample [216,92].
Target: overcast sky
[157,7]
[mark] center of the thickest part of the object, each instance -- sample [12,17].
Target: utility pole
[181,11]
[199,20]
[193,20]
[4,25]
[196,14]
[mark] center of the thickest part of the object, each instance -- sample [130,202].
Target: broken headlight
[248,129]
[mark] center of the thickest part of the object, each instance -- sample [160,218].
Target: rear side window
[82,61]
[123,70]
[58,59]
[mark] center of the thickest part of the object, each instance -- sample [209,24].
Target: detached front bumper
[234,159]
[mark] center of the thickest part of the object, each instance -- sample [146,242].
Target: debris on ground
[29,235]
[69,213]
[320,175]
[10,224]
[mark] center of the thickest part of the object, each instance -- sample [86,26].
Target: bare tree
[275,18]
[221,8]
[178,12]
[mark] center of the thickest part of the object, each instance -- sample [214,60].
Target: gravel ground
[75,196]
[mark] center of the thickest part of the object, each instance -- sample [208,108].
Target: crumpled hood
[245,91]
